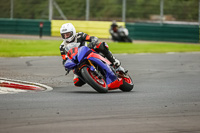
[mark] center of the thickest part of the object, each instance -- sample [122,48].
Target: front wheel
[127,84]
[94,81]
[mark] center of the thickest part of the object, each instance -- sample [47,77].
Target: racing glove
[91,45]
[94,41]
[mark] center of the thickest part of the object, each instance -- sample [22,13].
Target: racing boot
[116,63]
[102,47]
[112,59]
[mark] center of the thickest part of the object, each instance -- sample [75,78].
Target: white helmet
[69,29]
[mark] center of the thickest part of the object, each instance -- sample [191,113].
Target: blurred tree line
[136,10]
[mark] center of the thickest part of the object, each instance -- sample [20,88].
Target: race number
[72,52]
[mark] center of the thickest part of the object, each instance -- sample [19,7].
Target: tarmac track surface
[165,99]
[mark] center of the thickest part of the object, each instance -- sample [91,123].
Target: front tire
[98,84]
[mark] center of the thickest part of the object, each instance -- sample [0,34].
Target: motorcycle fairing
[83,52]
[110,76]
[69,64]
[76,55]
[99,57]
[115,84]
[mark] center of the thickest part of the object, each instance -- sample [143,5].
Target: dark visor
[66,35]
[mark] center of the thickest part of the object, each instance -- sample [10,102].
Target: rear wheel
[94,81]
[127,84]
[127,39]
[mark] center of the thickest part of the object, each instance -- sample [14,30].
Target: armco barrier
[99,29]
[164,32]
[24,26]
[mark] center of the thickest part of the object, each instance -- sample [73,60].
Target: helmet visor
[66,35]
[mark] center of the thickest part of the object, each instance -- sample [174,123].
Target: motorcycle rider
[114,26]
[114,31]
[119,33]
[69,35]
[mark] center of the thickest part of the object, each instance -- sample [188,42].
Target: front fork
[91,66]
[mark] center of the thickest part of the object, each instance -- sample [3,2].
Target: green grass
[15,48]
[157,47]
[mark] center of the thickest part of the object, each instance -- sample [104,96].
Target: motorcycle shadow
[94,92]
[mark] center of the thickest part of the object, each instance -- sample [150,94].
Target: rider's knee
[78,82]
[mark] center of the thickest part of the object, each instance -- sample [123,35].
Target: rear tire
[127,39]
[98,84]
[127,84]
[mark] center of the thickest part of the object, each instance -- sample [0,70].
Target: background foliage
[136,10]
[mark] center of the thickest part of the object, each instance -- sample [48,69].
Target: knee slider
[78,82]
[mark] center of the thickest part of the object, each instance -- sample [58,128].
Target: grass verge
[16,48]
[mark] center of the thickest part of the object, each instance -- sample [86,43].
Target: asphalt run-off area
[165,98]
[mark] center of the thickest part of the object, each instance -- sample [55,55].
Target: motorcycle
[121,35]
[96,70]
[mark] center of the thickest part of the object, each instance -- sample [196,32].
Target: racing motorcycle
[121,35]
[96,70]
